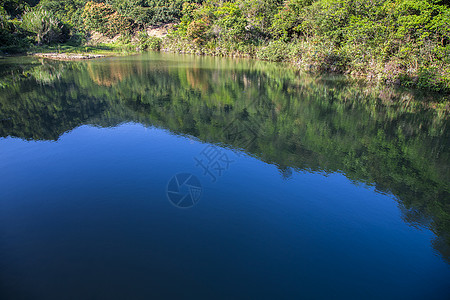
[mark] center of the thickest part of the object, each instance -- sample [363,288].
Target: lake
[169,176]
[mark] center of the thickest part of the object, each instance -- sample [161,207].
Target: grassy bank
[70,52]
[393,42]
[320,58]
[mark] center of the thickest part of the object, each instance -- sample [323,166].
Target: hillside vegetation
[402,42]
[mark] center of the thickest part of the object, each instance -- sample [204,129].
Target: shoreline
[67,56]
[171,44]
[443,104]
[389,76]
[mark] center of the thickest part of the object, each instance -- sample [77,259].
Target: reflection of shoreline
[303,123]
[111,73]
[108,73]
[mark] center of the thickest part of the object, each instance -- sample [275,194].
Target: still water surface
[171,176]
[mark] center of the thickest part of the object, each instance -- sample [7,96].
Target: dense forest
[402,42]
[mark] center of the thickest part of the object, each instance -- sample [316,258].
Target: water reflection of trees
[385,139]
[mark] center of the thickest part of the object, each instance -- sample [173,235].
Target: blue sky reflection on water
[93,205]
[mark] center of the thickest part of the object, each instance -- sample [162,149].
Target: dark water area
[165,176]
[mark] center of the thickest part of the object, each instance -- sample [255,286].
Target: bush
[13,39]
[197,31]
[15,8]
[102,18]
[68,11]
[133,9]
[230,21]
[3,18]
[147,42]
[47,28]
[428,78]
[274,51]
[260,14]
[286,23]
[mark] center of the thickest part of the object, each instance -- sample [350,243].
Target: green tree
[45,25]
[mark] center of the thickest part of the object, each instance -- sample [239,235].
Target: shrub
[231,22]
[274,51]
[147,42]
[429,78]
[286,23]
[102,18]
[190,12]
[45,26]
[260,14]
[133,9]
[13,38]
[15,8]
[3,18]
[197,31]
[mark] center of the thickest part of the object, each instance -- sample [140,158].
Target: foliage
[13,38]
[15,8]
[287,21]
[68,11]
[132,9]
[230,21]
[150,12]
[397,41]
[198,30]
[45,25]
[147,42]
[274,51]
[103,18]
[260,13]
